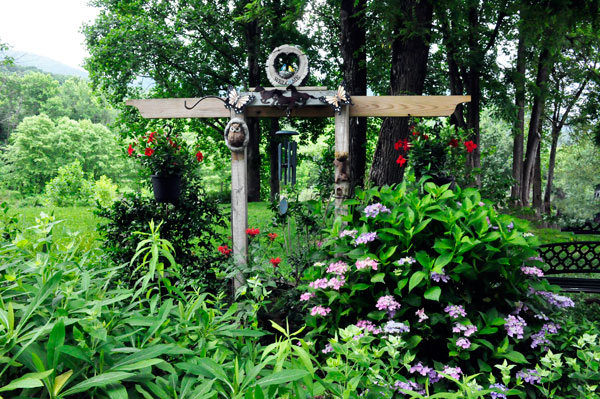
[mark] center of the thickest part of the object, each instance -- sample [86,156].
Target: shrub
[440,269]
[69,187]
[104,191]
[193,226]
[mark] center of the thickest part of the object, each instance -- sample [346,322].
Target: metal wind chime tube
[287,157]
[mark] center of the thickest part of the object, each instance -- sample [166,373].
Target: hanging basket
[166,188]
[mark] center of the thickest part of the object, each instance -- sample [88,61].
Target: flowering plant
[441,271]
[436,150]
[165,153]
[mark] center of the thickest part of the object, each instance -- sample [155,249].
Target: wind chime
[287,156]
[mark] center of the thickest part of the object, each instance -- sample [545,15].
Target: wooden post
[239,210]
[342,158]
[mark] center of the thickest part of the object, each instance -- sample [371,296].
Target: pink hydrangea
[336,283]
[364,263]
[348,233]
[532,271]
[368,326]
[463,343]
[388,303]
[466,330]
[339,268]
[319,283]
[455,311]
[319,310]
[306,296]
[421,315]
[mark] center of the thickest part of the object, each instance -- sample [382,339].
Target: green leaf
[30,380]
[116,391]
[55,342]
[433,293]
[144,354]
[98,381]
[415,280]
[360,287]
[378,278]
[514,356]
[282,377]
[138,365]
[442,261]
[385,255]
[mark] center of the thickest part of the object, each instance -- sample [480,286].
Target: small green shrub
[105,192]
[70,187]
[192,226]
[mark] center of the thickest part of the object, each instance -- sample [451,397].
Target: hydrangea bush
[440,270]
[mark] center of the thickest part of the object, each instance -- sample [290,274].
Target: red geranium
[224,250]
[151,137]
[148,151]
[252,232]
[275,261]
[199,156]
[130,150]
[401,160]
[453,143]
[272,236]
[470,146]
[402,143]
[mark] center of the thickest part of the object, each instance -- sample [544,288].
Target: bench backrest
[571,257]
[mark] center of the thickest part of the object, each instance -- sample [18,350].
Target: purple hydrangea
[463,343]
[373,210]
[539,338]
[407,260]
[453,372]
[409,386]
[455,311]
[419,368]
[559,301]
[500,391]
[466,330]
[510,226]
[536,258]
[348,233]
[328,348]
[437,277]
[532,271]
[530,376]
[514,326]
[393,327]
[490,224]
[388,303]
[365,238]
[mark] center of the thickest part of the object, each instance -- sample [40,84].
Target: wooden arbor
[381,106]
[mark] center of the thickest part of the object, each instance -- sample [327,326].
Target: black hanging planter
[166,188]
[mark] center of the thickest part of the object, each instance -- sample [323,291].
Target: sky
[46,27]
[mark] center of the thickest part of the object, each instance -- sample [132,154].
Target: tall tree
[411,30]
[354,55]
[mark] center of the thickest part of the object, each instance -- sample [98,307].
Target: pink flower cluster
[368,326]
[340,268]
[364,263]
[514,326]
[421,315]
[388,303]
[532,271]
[374,209]
[348,233]
[466,330]
[319,310]
[319,283]
[323,283]
[463,343]
[307,296]
[455,311]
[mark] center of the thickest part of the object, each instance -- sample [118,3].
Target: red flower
[272,236]
[130,150]
[415,133]
[470,146]
[171,142]
[453,143]
[224,250]
[151,137]
[199,156]
[275,261]
[425,137]
[252,232]
[402,143]
[401,160]
[148,152]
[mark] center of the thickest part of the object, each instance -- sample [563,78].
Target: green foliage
[105,192]
[40,146]
[193,226]
[69,188]
[426,266]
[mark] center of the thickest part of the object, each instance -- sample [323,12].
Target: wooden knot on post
[341,167]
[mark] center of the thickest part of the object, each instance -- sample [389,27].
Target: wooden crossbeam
[383,106]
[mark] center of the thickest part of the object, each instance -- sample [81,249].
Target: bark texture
[354,56]
[253,150]
[408,71]
[519,128]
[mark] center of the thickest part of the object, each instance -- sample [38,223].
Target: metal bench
[578,257]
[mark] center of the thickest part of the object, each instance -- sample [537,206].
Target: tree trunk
[354,55]
[409,65]
[474,90]
[519,128]
[551,164]
[253,150]
[536,201]
[533,138]
[273,155]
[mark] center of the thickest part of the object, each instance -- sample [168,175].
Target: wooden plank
[342,162]
[239,211]
[302,88]
[382,106]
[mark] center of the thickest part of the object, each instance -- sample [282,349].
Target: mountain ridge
[43,63]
